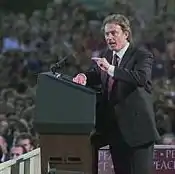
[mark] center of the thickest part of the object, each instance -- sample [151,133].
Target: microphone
[68,49]
[59,64]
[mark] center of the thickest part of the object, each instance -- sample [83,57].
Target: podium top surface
[67,80]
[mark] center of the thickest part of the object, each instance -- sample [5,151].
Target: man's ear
[126,34]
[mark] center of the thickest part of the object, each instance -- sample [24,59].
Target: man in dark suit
[127,119]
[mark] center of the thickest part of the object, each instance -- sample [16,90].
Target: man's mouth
[112,43]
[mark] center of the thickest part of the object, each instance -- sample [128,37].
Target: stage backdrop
[164,160]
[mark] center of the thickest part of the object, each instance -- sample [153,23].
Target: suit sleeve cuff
[111,70]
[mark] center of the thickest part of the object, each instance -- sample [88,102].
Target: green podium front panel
[63,107]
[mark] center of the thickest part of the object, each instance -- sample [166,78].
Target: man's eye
[113,33]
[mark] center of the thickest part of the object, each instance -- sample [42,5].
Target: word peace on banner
[164,160]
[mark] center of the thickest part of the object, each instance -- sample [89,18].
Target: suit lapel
[127,56]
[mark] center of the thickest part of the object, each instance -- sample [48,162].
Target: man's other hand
[80,79]
[102,63]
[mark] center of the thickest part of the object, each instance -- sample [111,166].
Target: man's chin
[112,47]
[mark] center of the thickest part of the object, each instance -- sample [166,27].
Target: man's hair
[24,136]
[120,20]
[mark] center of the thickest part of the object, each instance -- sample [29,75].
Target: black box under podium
[65,116]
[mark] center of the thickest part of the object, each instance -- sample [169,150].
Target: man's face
[26,143]
[16,152]
[115,37]
[3,145]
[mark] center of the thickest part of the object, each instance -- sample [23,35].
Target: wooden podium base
[69,153]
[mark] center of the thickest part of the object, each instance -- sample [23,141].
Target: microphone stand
[59,64]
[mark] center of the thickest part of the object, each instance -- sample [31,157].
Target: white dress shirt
[120,54]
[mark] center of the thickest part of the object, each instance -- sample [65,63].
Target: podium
[65,116]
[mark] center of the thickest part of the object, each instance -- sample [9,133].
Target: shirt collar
[121,53]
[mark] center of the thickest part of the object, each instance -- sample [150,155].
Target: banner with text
[164,160]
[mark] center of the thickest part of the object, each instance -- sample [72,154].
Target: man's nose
[110,36]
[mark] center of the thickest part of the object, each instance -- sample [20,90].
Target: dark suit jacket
[130,105]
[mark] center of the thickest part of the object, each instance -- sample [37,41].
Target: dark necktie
[110,79]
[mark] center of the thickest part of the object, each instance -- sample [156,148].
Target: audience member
[16,151]
[26,141]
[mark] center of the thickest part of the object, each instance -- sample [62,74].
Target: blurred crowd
[31,44]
